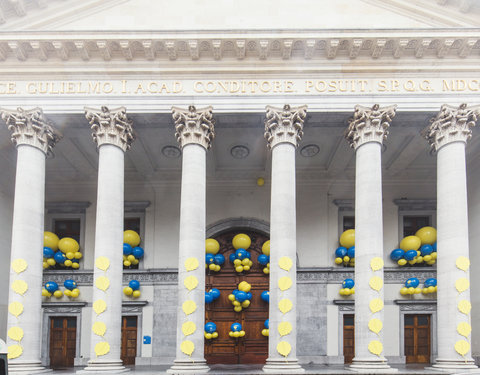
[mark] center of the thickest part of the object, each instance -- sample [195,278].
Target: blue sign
[147,339]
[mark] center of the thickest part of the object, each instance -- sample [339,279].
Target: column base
[371,366]
[454,366]
[188,367]
[104,367]
[26,368]
[283,366]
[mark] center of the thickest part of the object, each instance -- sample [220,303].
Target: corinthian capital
[452,124]
[110,127]
[30,127]
[194,125]
[284,124]
[369,124]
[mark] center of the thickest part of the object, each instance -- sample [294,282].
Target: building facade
[288,124]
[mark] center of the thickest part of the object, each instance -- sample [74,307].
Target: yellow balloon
[214,335]
[402,262]
[75,265]
[58,294]
[102,348]
[45,293]
[68,263]
[260,181]
[50,240]
[410,243]
[244,286]
[236,334]
[266,271]
[246,303]
[266,247]
[45,265]
[428,235]
[15,333]
[230,334]
[77,255]
[347,239]
[68,293]
[245,268]
[241,241]
[242,333]
[208,336]
[338,260]
[127,291]
[237,308]
[404,291]
[70,255]
[67,244]
[231,297]
[131,237]
[131,258]
[431,289]
[212,267]
[239,268]
[127,263]
[236,303]
[187,347]
[284,348]
[211,246]
[136,293]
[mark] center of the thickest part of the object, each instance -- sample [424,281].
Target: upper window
[67,228]
[348,222]
[412,223]
[414,214]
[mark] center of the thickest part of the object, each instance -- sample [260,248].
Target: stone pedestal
[34,138]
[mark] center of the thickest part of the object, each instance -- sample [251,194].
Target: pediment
[242,16]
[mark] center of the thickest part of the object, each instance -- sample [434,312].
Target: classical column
[194,132]
[112,132]
[283,131]
[448,135]
[366,133]
[34,138]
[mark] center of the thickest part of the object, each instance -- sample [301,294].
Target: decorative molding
[417,305]
[110,127]
[66,207]
[63,307]
[194,125]
[369,124]
[452,124]
[133,306]
[31,127]
[345,304]
[345,204]
[405,204]
[222,226]
[284,125]
[136,206]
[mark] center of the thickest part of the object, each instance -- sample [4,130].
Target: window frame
[415,207]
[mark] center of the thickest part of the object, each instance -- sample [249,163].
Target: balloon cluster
[210,331]
[265,331]
[71,289]
[412,286]
[133,289]
[264,258]
[64,252]
[212,295]
[348,287]
[241,297]
[265,296]
[236,330]
[345,254]
[132,253]
[213,260]
[51,288]
[418,249]
[430,286]
[241,258]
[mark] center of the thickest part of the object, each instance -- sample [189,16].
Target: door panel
[417,338]
[129,339]
[63,335]
[348,337]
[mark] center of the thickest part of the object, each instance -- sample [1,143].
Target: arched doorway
[253,348]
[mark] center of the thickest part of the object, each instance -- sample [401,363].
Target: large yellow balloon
[428,235]
[211,246]
[131,237]
[68,245]
[241,241]
[347,239]
[410,243]
[50,240]
[266,248]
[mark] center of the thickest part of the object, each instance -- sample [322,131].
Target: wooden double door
[129,340]
[63,337]
[253,347]
[417,338]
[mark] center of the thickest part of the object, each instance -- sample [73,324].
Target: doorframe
[135,308]
[345,307]
[238,223]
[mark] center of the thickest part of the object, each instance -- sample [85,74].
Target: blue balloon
[413,282]
[397,254]
[249,295]
[341,252]
[434,247]
[249,255]
[59,257]
[134,284]
[235,291]
[215,293]
[236,327]
[219,259]
[51,286]
[348,283]
[241,254]
[430,282]
[232,257]
[70,284]
[210,327]
[48,253]
[266,323]
[351,252]
[75,260]
[262,259]
[241,296]
[410,254]
[209,259]
[426,249]
[127,249]
[138,252]
[208,297]
[265,296]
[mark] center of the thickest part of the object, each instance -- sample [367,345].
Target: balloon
[402,262]
[136,294]
[51,286]
[209,259]
[347,239]
[131,237]
[266,248]
[244,286]
[404,291]
[59,257]
[236,327]
[262,259]
[211,246]
[70,255]
[127,249]
[428,235]
[351,252]
[412,282]
[410,243]
[241,296]
[231,257]
[215,293]
[338,260]
[210,327]
[241,241]
[51,262]
[348,283]
[134,284]
[68,244]
[130,258]
[75,265]
[265,296]
[249,296]
[340,252]
[434,247]
[214,334]
[68,263]
[249,254]
[410,255]
[58,294]
[426,249]
[48,252]
[430,282]
[266,323]
[240,254]
[50,240]
[70,284]
[127,291]
[219,259]
[397,254]
[77,255]
[208,297]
